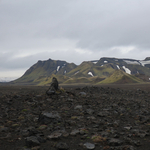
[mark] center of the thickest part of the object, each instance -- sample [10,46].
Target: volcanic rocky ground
[77,118]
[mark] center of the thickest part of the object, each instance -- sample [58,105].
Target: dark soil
[108,117]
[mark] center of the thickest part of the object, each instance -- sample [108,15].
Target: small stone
[24,148]
[36,148]
[116,123]
[32,141]
[137,143]
[89,145]
[3,129]
[62,146]
[128,128]
[83,94]
[15,125]
[90,111]
[25,133]
[70,100]
[54,135]
[49,117]
[83,131]
[50,92]
[38,96]
[42,127]
[49,100]
[65,134]
[101,114]
[115,142]
[74,132]
[91,117]
[35,119]
[78,107]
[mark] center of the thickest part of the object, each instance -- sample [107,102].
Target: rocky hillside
[93,72]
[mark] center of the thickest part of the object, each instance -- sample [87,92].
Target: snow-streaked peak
[126,70]
[90,73]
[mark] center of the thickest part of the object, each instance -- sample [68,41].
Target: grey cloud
[95,24]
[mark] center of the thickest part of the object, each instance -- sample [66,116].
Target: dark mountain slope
[44,69]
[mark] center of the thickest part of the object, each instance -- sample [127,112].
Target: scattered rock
[115,142]
[62,146]
[74,132]
[78,107]
[49,117]
[90,111]
[3,129]
[83,94]
[128,128]
[110,118]
[54,135]
[42,127]
[89,145]
[32,141]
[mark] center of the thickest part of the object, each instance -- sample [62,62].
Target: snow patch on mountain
[94,62]
[65,72]
[126,70]
[141,62]
[63,65]
[132,62]
[105,61]
[144,62]
[118,67]
[90,73]
[76,72]
[58,68]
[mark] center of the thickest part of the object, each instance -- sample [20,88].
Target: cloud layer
[73,30]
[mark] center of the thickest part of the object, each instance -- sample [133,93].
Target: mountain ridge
[41,72]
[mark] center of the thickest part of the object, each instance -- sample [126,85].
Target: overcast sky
[71,30]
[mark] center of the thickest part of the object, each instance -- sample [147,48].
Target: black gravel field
[107,117]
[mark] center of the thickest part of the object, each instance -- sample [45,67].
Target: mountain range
[104,70]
